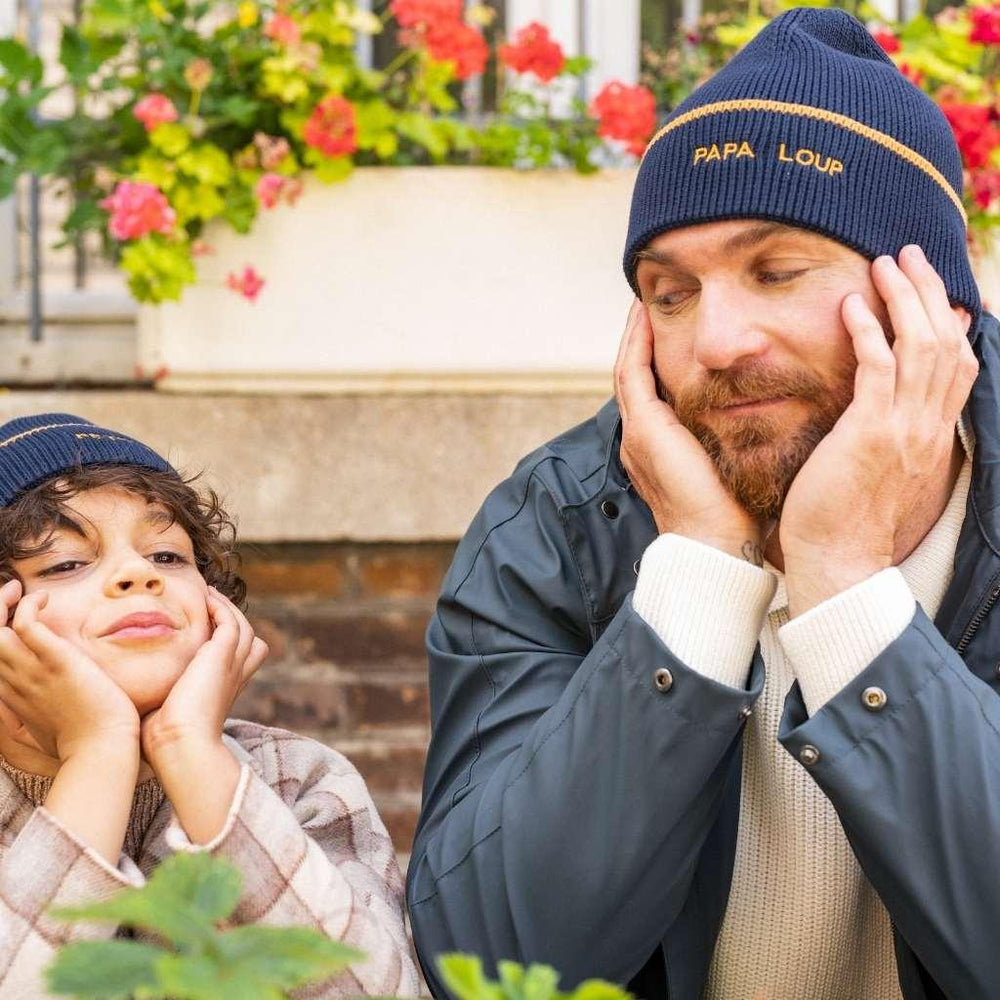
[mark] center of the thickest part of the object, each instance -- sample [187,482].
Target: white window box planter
[410,278]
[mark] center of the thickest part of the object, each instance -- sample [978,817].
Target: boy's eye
[166,558]
[64,567]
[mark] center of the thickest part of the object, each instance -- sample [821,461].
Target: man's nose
[728,328]
[135,574]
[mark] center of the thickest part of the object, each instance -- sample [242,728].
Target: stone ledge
[360,467]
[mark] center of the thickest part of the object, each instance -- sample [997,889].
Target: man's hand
[195,710]
[60,696]
[892,446]
[666,463]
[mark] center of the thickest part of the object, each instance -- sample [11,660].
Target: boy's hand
[194,712]
[63,699]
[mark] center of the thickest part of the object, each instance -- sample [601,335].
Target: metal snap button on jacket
[874,699]
[663,679]
[808,755]
[609,509]
[635,569]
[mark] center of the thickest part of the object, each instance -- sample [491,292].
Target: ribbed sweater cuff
[832,643]
[706,606]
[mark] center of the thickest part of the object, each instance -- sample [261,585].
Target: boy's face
[126,591]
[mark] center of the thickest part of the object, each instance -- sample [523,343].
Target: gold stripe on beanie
[38,430]
[821,114]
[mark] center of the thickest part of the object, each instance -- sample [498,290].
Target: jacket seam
[458,864]
[477,738]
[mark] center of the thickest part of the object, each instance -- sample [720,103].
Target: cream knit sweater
[803,923]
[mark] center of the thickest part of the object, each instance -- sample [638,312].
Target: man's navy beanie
[811,124]
[33,449]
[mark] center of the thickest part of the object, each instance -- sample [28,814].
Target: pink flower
[887,41]
[269,189]
[332,127]
[283,29]
[248,284]
[986,187]
[155,109]
[272,149]
[986,25]
[199,248]
[138,208]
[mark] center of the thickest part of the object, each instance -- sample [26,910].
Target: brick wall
[345,623]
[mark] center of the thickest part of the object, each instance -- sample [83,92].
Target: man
[694,728]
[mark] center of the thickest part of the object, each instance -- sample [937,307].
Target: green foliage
[183,903]
[464,976]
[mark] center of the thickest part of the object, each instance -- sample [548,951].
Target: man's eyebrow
[743,240]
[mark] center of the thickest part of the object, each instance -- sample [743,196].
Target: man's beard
[758,458]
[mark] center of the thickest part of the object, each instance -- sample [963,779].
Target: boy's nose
[137,575]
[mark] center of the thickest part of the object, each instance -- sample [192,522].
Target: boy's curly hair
[28,523]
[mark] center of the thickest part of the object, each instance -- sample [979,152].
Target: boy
[122,649]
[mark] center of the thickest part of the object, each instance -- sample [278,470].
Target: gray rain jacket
[577,815]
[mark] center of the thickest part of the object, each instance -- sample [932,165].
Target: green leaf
[424,131]
[197,977]
[207,163]
[241,207]
[46,152]
[285,956]
[74,54]
[540,982]
[19,63]
[463,975]
[170,138]
[188,893]
[240,109]
[155,169]
[511,979]
[158,271]
[332,170]
[578,65]
[197,201]
[598,989]
[101,970]
[85,215]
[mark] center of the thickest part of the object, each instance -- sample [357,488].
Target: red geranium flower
[534,51]
[911,73]
[625,113]
[976,131]
[411,13]
[986,25]
[887,40]
[248,284]
[332,127]
[138,208]
[458,43]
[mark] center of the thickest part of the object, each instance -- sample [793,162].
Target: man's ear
[963,314]
[15,729]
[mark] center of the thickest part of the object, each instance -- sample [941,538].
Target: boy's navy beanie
[811,124]
[33,449]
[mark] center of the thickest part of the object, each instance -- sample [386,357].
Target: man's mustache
[717,389]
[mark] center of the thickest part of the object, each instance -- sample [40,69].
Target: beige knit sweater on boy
[803,922]
[302,830]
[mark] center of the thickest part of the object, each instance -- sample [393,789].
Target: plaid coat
[302,830]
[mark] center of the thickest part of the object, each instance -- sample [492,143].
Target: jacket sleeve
[915,780]
[44,867]
[313,852]
[567,795]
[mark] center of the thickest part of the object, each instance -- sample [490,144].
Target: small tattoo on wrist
[753,553]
